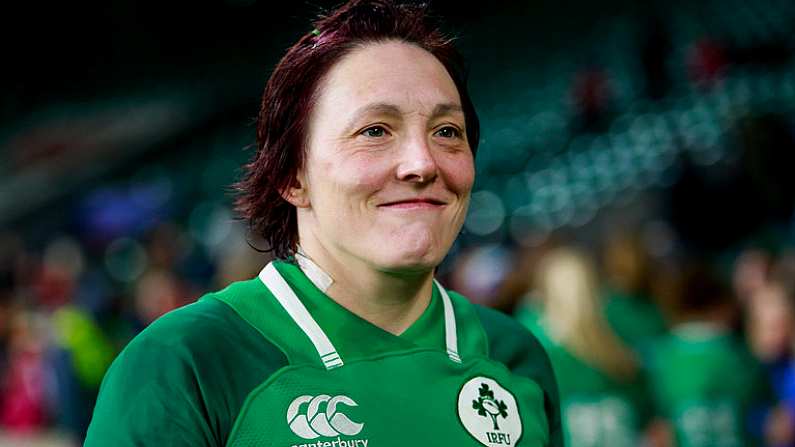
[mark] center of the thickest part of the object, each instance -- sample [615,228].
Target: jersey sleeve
[523,354]
[183,380]
[149,397]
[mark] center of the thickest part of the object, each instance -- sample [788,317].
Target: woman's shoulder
[187,325]
[207,328]
[508,341]
[194,365]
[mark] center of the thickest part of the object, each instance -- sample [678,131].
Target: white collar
[317,275]
[283,293]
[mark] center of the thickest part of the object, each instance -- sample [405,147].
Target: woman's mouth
[421,203]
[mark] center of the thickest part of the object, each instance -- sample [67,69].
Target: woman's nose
[417,164]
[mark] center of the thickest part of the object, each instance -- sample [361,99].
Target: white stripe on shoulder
[274,281]
[450,331]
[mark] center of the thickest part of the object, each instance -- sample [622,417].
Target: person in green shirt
[705,381]
[604,399]
[629,305]
[360,184]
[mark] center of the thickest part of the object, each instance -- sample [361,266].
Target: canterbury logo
[312,423]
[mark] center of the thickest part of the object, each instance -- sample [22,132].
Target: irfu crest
[489,413]
[487,405]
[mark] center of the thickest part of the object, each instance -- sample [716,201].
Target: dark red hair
[290,94]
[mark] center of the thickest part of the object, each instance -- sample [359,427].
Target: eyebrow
[383,108]
[445,109]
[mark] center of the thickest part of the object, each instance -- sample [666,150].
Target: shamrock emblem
[487,405]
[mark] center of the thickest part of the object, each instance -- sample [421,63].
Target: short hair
[702,291]
[291,92]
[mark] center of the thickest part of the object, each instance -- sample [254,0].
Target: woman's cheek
[460,172]
[366,173]
[351,171]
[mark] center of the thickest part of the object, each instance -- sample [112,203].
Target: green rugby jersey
[597,409]
[635,319]
[273,361]
[709,387]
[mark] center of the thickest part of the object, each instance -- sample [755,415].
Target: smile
[414,204]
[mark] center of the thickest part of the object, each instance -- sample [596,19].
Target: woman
[361,182]
[603,398]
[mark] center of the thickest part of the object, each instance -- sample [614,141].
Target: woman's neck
[391,301]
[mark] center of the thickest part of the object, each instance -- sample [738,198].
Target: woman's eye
[374,132]
[448,132]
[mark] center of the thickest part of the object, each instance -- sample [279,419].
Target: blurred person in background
[513,290]
[78,357]
[478,273]
[602,391]
[57,353]
[360,184]
[25,386]
[77,351]
[750,274]
[771,332]
[705,382]
[157,292]
[630,308]
[8,284]
[770,323]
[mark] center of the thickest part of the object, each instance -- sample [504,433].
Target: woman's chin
[414,247]
[413,258]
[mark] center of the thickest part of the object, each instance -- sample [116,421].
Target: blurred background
[633,204]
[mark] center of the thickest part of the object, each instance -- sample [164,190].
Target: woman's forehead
[388,76]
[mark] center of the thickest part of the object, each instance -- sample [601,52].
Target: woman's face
[388,169]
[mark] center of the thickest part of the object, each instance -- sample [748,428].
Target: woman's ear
[297,193]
